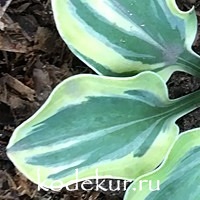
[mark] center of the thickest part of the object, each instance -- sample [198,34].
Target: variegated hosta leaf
[124,37]
[122,126]
[178,177]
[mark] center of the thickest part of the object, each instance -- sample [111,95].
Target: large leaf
[122,126]
[124,37]
[178,176]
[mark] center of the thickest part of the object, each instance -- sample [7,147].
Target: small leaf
[124,37]
[178,177]
[122,126]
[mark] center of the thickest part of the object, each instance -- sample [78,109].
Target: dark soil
[33,60]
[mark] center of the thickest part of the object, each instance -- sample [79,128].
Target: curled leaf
[125,37]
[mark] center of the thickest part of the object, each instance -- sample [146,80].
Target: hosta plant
[124,37]
[178,177]
[121,126]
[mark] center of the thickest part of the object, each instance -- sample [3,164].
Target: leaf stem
[186,104]
[190,62]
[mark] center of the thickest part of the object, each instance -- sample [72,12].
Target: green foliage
[179,175]
[92,122]
[123,127]
[124,37]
